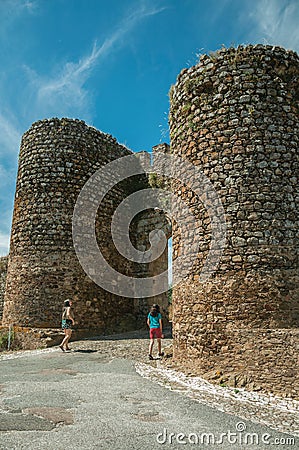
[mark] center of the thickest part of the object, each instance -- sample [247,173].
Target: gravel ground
[277,413]
[281,414]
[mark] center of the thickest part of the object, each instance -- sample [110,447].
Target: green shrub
[4,338]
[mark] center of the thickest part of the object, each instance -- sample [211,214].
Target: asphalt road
[86,400]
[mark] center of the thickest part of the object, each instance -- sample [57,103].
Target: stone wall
[146,222]
[3,271]
[234,116]
[56,158]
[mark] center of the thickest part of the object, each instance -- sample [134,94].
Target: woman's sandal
[150,357]
[61,347]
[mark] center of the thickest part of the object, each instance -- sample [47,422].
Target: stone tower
[235,116]
[56,158]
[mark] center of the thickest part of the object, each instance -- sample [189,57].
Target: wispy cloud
[67,89]
[18,6]
[12,10]
[276,22]
[4,243]
[64,93]
[7,185]
[10,135]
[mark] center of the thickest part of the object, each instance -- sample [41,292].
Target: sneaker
[150,357]
[61,347]
[161,354]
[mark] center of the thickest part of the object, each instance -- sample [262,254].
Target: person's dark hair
[154,312]
[157,307]
[66,303]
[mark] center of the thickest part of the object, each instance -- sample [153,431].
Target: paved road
[88,400]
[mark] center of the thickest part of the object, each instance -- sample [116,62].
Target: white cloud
[7,187]
[10,135]
[9,147]
[16,7]
[12,10]
[276,22]
[4,244]
[66,91]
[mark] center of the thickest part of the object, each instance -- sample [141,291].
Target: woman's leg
[62,343]
[159,345]
[67,332]
[151,346]
[67,338]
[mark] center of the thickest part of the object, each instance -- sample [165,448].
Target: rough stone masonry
[57,157]
[235,117]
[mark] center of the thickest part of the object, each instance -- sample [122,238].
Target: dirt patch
[54,415]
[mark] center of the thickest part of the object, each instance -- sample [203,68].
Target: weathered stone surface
[56,158]
[235,116]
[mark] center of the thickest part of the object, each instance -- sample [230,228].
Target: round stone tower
[235,117]
[56,158]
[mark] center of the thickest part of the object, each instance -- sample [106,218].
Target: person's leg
[159,346]
[64,343]
[151,346]
[69,337]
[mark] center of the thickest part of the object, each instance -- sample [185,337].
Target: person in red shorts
[154,321]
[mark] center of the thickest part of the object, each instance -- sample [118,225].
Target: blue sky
[111,63]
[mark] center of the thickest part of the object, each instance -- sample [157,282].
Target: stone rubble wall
[147,221]
[143,224]
[234,116]
[56,158]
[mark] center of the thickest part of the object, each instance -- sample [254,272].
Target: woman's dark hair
[154,312]
[157,307]
[66,303]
